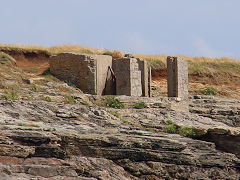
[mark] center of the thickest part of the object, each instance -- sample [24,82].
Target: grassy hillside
[51,50]
[216,72]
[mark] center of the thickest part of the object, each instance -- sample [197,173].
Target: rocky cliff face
[49,140]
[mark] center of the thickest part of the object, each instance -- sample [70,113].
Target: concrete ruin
[177,77]
[128,77]
[101,75]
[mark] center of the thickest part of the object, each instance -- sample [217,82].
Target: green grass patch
[125,121]
[48,99]
[114,103]
[69,100]
[173,128]
[140,105]
[116,114]
[10,95]
[209,91]
[187,132]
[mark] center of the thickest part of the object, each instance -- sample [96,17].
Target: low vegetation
[216,71]
[116,114]
[48,99]
[140,105]
[173,128]
[207,71]
[5,58]
[114,103]
[69,99]
[10,95]
[209,91]
[35,88]
[85,103]
[51,50]
[116,54]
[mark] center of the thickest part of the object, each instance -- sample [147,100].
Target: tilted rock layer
[50,140]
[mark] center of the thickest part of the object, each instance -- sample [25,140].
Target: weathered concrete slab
[177,72]
[87,72]
[143,67]
[128,77]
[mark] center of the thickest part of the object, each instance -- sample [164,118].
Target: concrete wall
[87,72]
[103,74]
[128,77]
[177,72]
[99,74]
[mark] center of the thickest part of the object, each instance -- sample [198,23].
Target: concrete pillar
[143,67]
[149,81]
[128,77]
[177,72]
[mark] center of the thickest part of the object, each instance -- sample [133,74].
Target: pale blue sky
[189,27]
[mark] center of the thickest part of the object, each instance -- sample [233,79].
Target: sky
[171,27]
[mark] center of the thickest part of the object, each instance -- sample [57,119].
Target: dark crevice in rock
[50,152]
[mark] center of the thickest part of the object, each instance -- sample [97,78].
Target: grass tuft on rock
[173,128]
[209,91]
[114,103]
[140,105]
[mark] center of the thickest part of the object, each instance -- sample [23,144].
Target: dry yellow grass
[50,50]
[72,48]
[116,54]
[218,70]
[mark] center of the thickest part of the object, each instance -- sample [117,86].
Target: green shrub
[171,128]
[114,103]
[209,91]
[187,132]
[140,105]
[168,122]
